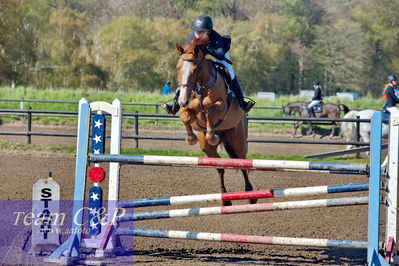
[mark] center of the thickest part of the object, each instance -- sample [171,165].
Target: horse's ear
[179,48]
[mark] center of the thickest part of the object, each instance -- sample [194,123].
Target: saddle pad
[318,108]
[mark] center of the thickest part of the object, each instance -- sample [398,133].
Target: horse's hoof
[250,188]
[214,141]
[227,203]
[253,201]
[191,139]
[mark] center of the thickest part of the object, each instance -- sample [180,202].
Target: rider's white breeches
[227,65]
[313,103]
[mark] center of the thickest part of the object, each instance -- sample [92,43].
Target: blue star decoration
[98,134]
[95,204]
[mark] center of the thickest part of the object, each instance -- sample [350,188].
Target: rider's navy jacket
[391,99]
[219,45]
[317,94]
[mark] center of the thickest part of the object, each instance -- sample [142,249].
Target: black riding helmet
[202,23]
[392,78]
[315,82]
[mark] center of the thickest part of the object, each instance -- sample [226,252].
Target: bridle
[199,89]
[199,67]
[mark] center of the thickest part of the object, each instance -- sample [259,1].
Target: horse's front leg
[187,118]
[296,126]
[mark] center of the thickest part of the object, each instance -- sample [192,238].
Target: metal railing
[29,113]
[22,102]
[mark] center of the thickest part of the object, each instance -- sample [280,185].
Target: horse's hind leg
[310,130]
[234,141]
[333,130]
[210,136]
[211,151]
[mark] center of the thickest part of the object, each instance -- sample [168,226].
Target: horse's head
[188,69]
[287,110]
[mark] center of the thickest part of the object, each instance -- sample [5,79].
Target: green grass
[6,145]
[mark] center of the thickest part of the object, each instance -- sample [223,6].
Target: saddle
[318,108]
[222,70]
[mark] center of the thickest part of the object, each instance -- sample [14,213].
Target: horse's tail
[344,108]
[348,129]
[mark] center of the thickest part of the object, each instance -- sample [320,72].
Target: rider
[316,98]
[218,48]
[391,98]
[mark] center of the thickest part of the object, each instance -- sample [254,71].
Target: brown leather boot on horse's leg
[235,86]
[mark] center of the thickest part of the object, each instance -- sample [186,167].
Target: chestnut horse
[205,107]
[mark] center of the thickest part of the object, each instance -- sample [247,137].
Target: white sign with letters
[46,216]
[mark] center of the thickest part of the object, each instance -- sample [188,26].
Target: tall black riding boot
[172,108]
[246,106]
[311,112]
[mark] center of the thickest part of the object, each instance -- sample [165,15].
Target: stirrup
[168,107]
[249,104]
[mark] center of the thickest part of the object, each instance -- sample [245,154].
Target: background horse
[207,108]
[292,108]
[330,110]
[348,129]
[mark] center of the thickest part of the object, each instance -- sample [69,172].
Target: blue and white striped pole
[244,195]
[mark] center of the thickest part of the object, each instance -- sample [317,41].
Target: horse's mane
[203,39]
[295,103]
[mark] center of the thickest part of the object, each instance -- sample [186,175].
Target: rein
[199,67]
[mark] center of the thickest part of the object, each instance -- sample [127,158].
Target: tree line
[123,45]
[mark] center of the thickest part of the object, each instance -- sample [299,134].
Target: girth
[219,122]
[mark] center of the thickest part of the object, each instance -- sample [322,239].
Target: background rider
[390,97]
[317,98]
